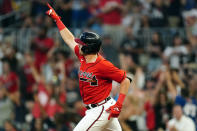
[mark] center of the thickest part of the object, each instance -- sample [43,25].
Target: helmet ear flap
[90,49]
[84,49]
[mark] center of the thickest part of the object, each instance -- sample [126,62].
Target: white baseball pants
[96,119]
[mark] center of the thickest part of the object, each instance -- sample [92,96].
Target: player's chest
[88,75]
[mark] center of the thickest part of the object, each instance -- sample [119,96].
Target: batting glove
[114,110]
[51,12]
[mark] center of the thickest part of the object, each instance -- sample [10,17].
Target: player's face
[177,112]
[6,67]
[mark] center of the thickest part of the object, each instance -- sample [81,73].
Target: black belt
[89,106]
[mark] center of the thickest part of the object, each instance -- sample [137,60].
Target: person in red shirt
[95,80]
[45,95]
[111,11]
[41,45]
[28,74]
[10,81]
[111,17]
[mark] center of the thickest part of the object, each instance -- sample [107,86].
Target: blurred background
[155,41]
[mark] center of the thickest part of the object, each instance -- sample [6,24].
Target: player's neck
[91,58]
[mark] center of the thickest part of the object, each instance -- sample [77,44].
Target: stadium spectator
[9,80]
[9,126]
[163,109]
[5,6]
[6,108]
[72,92]
[94,21]
[179,121]
[133,119]
[28,22]
[38,7]
[130,45]
[188,4]
[64,9]
[20,111]
[42,124]
[193,88]
[109,51]
[145,24]
[10,57]
[80,13]
[188,103]
[48,97]
[28,77]
[111,18]
[132,16]
[40,46]
[155,49]
[173,12]
[175,53]
[158,14]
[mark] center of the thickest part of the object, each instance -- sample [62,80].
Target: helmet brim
[78,41]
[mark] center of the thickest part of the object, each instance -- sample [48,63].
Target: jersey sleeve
[111,72]
[77,51]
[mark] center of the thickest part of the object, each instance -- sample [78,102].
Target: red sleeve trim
[76,50]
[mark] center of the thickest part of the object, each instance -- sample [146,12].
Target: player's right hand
[51,12]
[114,110]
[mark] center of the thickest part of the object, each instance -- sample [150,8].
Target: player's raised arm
[67,36]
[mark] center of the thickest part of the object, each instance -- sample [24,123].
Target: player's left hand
[114,110]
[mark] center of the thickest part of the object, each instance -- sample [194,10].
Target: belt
[89,106]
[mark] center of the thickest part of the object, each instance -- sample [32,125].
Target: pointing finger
[49,6]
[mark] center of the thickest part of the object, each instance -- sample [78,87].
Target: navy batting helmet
[91,42]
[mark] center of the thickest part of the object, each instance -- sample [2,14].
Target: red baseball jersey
[95,79]
[10,82]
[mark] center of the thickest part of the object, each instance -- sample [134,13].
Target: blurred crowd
[39,84]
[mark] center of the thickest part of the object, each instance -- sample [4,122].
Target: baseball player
[95,80]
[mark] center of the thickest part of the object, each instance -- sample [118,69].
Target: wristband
[60,25]
[121,98]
